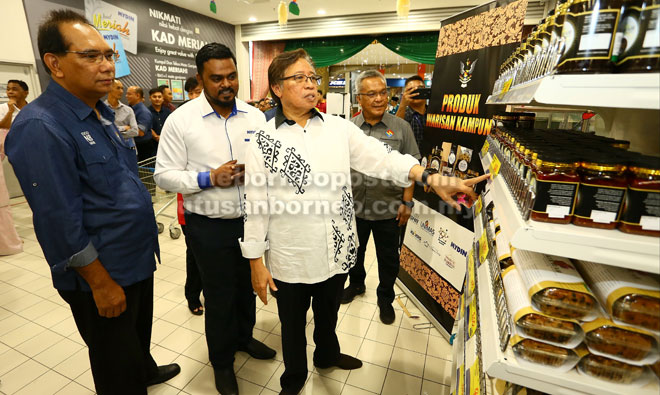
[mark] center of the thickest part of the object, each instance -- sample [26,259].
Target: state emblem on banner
[467,69]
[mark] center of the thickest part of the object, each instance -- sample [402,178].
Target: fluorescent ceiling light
[252,19]
[321,12]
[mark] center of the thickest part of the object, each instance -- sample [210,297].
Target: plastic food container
[564,303]
[639,310]
[621,343]
[548,328]
[613,371]
[544,354]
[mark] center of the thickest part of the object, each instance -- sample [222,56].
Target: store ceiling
[238,12]
[375,54]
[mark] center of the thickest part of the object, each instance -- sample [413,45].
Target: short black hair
[20,83]
[49,37]
[162,88]
[138,90]
[413,78]
[191,83]
[213,51]
[155,90]
[395,98]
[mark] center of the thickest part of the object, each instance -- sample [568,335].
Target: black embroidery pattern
[351,253]
[269,149]
[388,147]
[347,207]
[244,207]
[338,239]
[295,170]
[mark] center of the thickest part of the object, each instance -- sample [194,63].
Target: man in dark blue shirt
[159,114]
[80,180]
[135,98]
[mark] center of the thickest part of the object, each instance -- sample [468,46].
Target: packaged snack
[613,371]
[540,353]
[630,297]
[625,344]
[535,325]
[555,286]
[463,162]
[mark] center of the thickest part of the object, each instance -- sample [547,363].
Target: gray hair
[368,74]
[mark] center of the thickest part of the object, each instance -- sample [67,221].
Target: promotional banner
[108,18]
[471,46]
[121,61]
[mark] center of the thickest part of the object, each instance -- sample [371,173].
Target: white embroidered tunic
[298,204]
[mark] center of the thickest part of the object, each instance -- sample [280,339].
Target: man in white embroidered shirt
[299,211]
[201,155]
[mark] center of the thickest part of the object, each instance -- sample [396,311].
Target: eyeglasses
[300,78]
[96,56]
[372,95]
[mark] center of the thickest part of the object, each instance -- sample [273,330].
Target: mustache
[225,91]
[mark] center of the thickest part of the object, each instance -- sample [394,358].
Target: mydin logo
[458,249]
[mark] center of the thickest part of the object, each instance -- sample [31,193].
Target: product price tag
[484,149]
[471,275]
[483,247]
[495,165]
[507,85]
[478,205]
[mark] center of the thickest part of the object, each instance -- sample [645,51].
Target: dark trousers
[193,285]
[386,238]
[145,150]
[118,347]
[293,301]
[229,302]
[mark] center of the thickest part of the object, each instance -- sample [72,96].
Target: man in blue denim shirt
[80,180]
[135,99]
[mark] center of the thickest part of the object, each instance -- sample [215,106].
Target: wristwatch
[425,178]
[409,204]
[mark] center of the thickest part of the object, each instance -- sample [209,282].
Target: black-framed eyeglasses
[97,56]
[372,95]
[300,78]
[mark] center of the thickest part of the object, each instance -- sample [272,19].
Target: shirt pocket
[395,144]
[101,174]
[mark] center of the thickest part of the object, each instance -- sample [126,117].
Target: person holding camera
[413,109]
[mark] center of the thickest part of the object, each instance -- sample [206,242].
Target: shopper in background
[272,110]
[143,143]
[167,97]
[321,105]
[394,105]
[92,215]
[201,156]
[310,250]
[159,114]
[124,115]
[17,92]
[381,206]
[193,286]
[411,109]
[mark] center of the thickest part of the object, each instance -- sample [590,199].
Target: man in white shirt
[201,155]
[300,211]
[124,115]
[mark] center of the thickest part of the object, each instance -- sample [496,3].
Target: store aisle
[41,352]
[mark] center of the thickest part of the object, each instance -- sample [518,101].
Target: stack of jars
[587,36]
[566,177]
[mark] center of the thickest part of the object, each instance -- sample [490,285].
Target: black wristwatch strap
[425,177]
[409,204]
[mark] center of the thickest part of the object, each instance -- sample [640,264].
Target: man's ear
[53,64]
[277,90]
[199,80]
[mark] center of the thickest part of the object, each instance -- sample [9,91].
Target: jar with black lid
[589,33]
[526,120]
[641,207]
[641,23]
[554,184]
[603,186]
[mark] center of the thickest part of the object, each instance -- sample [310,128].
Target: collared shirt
[124,116]
[158,118]
[417,122]
[299,204]
[377,199]
[143,118]
[196,140]
[81,182]
[4,109]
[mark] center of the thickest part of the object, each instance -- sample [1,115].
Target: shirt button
[34,184]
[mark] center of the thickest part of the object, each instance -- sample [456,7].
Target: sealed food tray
[548,328]
[638,310]
[621,343]
[613,371]
[544,354]
[564,303]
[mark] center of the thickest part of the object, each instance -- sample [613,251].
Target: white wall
[15,46]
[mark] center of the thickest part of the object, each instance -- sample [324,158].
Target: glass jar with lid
[641,207]
[639,49]
[554,184]
[603,186]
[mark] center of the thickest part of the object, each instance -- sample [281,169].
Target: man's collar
[359,120]
[208,110]
[78,107]
[280,118]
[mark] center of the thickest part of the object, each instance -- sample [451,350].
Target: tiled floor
[41,352]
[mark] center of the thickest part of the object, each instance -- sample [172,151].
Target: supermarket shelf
[610,247]
[503,365]
[638,91]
